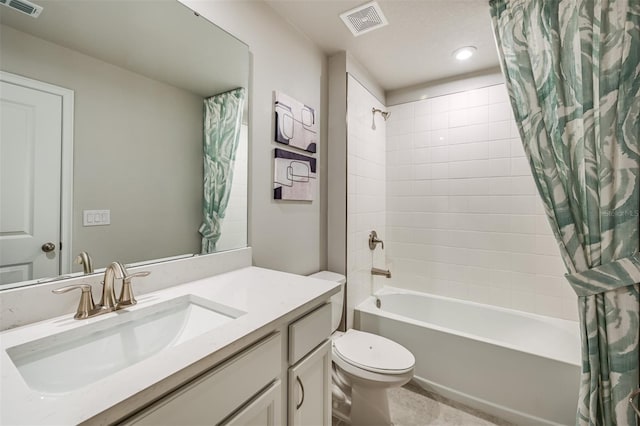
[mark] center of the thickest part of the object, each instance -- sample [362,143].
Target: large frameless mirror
[116,90]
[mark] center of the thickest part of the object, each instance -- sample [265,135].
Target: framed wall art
[296,124]
[294,176]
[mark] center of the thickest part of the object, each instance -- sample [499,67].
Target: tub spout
[376,271]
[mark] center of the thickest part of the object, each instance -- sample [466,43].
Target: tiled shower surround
[365,191]
[462,212]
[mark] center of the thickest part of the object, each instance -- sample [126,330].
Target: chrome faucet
[108,301]
[374,241]
[376,271]
[84,259]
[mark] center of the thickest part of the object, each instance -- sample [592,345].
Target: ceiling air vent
[364,18]
[23,6]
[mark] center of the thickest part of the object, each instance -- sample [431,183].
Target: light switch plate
[96,217]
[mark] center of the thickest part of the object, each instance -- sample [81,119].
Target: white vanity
[244,347]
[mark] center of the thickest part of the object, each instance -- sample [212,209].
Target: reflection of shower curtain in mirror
[222,122]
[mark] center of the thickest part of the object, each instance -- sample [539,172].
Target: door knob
[47,247]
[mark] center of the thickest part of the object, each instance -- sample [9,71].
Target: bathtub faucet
[382,272]
[374,241]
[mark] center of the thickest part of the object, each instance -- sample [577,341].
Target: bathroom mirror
[139,72]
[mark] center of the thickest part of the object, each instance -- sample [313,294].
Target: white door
[30,179]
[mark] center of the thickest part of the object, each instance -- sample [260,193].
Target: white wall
[342,67]
[463,215]
[446,86]
[365,192]
[286,236]
[362,75]
[337,157]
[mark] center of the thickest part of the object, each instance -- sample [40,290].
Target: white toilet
[365,365]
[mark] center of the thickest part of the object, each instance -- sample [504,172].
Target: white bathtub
[521,367]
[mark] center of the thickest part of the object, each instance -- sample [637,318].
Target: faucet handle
[126,294]
[374,241]
[86,305]
[138,274]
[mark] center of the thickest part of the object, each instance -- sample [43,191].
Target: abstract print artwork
[296,123]
[294,176]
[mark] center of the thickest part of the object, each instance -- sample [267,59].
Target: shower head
[384,114]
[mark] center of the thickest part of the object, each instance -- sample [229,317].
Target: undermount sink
[72,359]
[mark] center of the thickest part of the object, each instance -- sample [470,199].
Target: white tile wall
[366,182]
[463,218]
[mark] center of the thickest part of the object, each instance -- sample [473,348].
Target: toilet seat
[364,366]
[373,353]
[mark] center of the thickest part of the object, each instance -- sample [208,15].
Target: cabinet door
[310,389]
[264,410]
[213,396]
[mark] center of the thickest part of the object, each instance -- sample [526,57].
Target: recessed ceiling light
[464,53]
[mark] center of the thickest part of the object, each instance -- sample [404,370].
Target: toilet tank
[337,300]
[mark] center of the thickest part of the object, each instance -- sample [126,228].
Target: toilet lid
[373,353]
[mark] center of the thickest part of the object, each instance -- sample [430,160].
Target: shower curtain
[222,124]
[573,75]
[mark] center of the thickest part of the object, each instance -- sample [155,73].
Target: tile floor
[410,405]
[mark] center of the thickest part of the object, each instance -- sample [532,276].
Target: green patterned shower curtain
[222,124]
[573,75]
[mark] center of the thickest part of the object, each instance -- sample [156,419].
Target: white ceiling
[416,47]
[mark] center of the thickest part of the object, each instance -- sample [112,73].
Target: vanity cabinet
[263,410]
[232,390]
[310,389]
[245,372]
[309,374]
[293,362]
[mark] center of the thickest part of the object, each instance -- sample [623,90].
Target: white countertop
[270,299]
